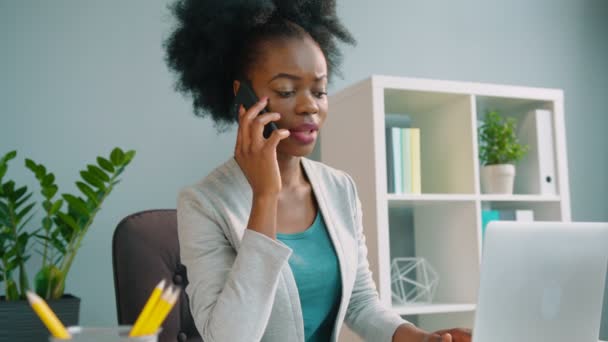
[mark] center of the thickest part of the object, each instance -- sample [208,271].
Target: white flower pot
[497,179]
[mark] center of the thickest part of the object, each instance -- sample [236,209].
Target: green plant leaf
[128,157]
[46,204]
[68,220]
[63,230]
[77,204]
[92,179]
[10,155]
[3,168]
[98,172]
[49,191]
[48,180]
[22,240]
[21,214]
[88,191]
[58,244]
[24,282]
[47,223]
[117,156]
[46,279]
[8,189]
[19,193]
[40,171]
[105,164]
[11,290]
[23,200]
[3,209]
[24,223]
[56,206]
[4,237]
[30,164]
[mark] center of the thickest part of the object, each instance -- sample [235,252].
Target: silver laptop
[541,281]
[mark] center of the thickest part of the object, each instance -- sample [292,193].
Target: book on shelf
[415,155]
[406,160]
[403,160]
[390,172]
[536,171]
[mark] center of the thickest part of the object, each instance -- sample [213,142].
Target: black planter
[19,322]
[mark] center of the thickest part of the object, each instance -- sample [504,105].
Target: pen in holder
[105,334]
[146,328]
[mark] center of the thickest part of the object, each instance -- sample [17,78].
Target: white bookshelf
[445,219]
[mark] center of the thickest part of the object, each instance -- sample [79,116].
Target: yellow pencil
[147,310]
[47,316]
[163,309]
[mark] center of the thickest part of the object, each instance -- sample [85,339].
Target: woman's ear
[235,86]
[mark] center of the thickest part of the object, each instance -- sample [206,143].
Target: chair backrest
[145,250]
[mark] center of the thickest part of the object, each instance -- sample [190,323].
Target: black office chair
[145,250]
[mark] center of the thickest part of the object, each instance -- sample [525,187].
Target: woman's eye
[285,94]
[320,94]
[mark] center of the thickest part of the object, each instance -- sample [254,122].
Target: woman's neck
[292,174]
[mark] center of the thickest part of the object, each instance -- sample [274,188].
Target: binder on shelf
[415,155]
[397,164]
[402,155]
[390,168]
[393,150]
[410,161]
[406,160]
[536,171]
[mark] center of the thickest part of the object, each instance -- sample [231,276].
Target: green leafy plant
[498,141]
[61,230]
[15,210]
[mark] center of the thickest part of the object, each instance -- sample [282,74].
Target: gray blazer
[241,287]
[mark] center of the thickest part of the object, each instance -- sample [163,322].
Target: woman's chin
[297,151]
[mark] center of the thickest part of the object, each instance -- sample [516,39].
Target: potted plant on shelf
[57,238]
[499,150]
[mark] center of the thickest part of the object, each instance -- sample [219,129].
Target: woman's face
[293,74]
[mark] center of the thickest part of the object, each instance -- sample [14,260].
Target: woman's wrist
[408,332]
[263,216]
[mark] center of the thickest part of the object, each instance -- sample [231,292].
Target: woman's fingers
[458,334]
[257,127]
[438,337]
[276,137]
[246,119]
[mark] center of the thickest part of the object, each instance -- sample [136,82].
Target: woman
[273,241]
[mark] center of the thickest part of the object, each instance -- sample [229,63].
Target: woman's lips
[304,137]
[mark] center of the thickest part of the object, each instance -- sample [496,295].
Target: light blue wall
[79,77]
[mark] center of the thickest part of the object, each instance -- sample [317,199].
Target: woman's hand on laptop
[410,333]
[456,334]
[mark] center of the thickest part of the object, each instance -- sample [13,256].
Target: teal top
[317,273]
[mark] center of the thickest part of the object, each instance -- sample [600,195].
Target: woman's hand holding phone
[257,156]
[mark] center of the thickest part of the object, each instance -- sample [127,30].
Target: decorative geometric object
[413,280]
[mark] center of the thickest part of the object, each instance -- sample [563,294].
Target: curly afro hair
[214,43]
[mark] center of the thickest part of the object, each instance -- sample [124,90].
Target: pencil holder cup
[105,334]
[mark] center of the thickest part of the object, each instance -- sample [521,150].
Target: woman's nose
[307,104]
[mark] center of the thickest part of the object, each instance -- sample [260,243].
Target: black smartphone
[246,97]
